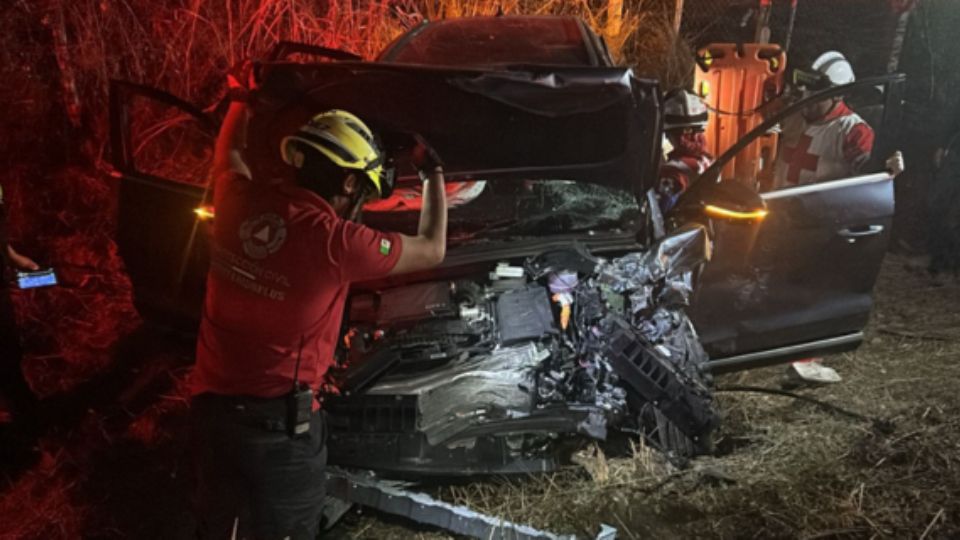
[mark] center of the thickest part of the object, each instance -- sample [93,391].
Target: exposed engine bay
[511,370]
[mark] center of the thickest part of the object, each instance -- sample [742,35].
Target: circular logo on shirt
[263,235]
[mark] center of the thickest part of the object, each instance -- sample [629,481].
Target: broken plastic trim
[494,383]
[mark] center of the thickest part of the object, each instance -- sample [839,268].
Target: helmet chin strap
[356,200]
[356,205]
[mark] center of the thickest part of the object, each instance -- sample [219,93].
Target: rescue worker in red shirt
[18,404]
[684,122]
[827,141]
[283,257]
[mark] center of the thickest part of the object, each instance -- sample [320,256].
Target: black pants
[943,213]
[17,439]
[252,474]
[13,385]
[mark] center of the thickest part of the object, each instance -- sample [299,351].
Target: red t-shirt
[281,264]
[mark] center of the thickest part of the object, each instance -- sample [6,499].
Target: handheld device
[32,280]
[299,403]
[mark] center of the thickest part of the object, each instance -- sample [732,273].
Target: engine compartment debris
[507,370]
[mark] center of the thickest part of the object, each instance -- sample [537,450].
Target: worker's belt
[264,413]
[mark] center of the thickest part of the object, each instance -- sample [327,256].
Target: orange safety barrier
[734,81]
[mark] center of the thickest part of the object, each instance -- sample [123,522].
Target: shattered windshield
[482,210]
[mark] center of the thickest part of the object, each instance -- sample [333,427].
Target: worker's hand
[242,76]
[21,262]
[895,163]
[425,157]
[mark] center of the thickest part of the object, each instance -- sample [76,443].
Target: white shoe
[813,372]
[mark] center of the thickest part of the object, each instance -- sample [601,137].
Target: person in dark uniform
[18,404]
[943,205]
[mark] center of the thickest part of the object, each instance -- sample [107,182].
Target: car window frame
[121,94]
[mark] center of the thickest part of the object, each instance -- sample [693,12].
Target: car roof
[499,40]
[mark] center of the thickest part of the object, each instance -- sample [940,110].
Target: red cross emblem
[800,159]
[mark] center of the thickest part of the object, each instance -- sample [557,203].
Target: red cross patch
[800,159]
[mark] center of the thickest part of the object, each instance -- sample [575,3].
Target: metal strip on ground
[394,498]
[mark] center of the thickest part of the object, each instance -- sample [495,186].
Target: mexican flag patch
[385,247]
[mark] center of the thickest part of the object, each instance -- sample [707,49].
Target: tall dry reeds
[184,46]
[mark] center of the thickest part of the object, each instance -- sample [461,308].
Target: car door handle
[853,233]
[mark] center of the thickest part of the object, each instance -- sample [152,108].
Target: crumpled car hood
[598,125]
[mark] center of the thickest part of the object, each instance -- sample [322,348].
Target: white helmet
[683,109]
[835,67]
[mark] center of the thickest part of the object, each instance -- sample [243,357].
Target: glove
[425,157]
[241,82]
[895,163]
[241,75]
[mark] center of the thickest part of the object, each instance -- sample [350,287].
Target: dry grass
[41,504]
[185,46]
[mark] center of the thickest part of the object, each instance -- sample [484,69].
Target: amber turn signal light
[725,213]
[204,213]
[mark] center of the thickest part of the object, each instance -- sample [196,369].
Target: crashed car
[568,309]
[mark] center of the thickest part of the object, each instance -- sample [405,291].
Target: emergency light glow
[720,212]
[204,213]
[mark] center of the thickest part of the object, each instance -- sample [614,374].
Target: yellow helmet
[346,141]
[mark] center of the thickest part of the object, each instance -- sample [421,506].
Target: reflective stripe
[328,142]
[367,136]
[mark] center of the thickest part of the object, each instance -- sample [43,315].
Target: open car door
[599,125]
[161,147]
[799,283]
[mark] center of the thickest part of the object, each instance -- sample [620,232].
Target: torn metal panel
[648,341]
[494,383]
[668,268]
[552,419]
[394,498]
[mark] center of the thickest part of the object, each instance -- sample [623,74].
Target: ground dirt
[115,463]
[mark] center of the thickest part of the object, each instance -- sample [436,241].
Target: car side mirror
[731,200]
